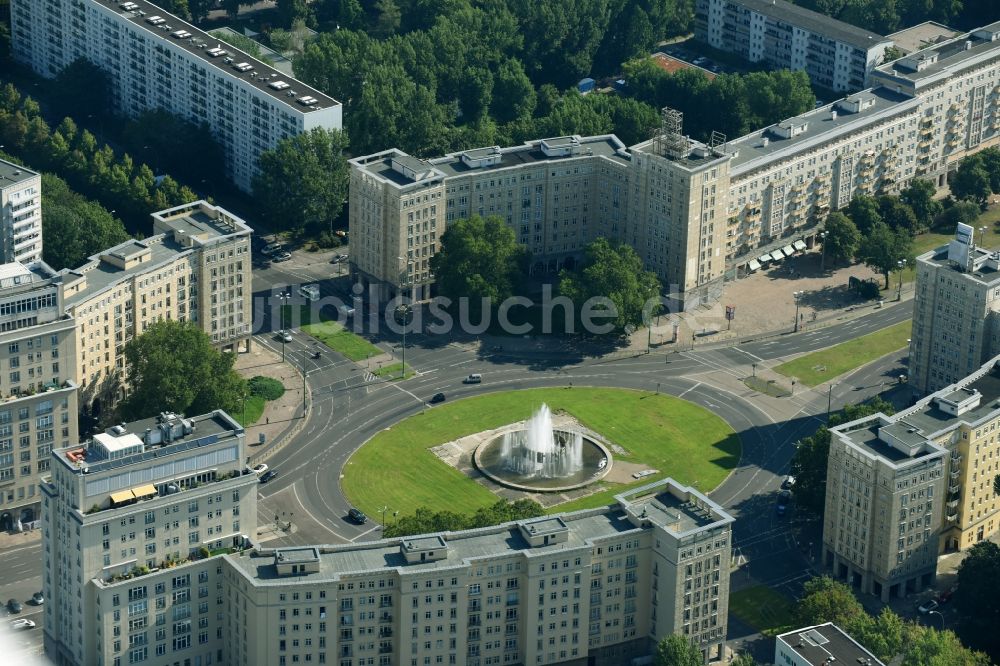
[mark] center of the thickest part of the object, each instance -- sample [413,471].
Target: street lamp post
[899,291]
[822,259]
[382,511]
[982,234]
[934,612]
[797,296]
[406,310]
[829,402]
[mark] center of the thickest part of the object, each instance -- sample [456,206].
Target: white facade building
[836,55]
[155,60]
[821,645]
[20,214]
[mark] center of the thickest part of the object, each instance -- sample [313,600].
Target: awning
[754,265]
[788,250]
[123,496]
[144,491]
[764,258]
[799,244]
[777,255]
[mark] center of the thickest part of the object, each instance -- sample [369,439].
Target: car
[357,516]
[22,623]
[342,257]
[788,482]
[346,310]
[37,599]
[284,336]
[260,469]
[475,378]
[945,596]
[268,475]
[272,248]
[437,399]
[14,606]
[284,256]
[784,497]
[928,607]
[335,259]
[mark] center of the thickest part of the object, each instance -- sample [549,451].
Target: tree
[919,195]
[882,635]
[864,212]
[73,227]
[991,162]
[959,212]
[613,276]
[924,646]
[675,650]
[302,182]
[388,17]
[423,520]
[290,11]
[842,238]
[744,659]
[480,259]
[977,598]
[199,9]
[242,42]
[996,484]
[897,214]
[882,248]
[971,181]
[513,94]
[173,367]
[827,600]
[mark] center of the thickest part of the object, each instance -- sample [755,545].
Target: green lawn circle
[396,469]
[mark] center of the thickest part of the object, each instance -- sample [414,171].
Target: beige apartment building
[126,511]
[934,465]
[195,267]
[697,214]
[128,516]
[20,214]
[38,405]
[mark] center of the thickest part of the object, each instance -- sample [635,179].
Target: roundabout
[467,454]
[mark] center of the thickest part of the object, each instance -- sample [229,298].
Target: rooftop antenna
[670,141]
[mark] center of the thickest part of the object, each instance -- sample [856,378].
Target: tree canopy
[173,367]
[883,248]
[303,181]
[842,238]
[675,650]
[73,226]
[971,181]
[480,258]
[423,520]
[614,273]
[978,596]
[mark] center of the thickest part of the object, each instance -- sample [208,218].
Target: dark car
[14,606]
[438,398]
[37,599]
[268,475]
[357,516]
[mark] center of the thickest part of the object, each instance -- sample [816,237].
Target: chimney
[833,114]
[764,142]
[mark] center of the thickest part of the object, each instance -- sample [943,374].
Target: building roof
[921,36]
[985,270]
[818,644]
[940,60]
[763,146]
[14,174]
[261,75]
[671,65]
[814,22]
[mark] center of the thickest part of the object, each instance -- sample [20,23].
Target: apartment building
[20,214]
[956,312]
[885,495]
[38,407]
[821,645]
[195,267]
[155,60]
[835,55]
[135,521]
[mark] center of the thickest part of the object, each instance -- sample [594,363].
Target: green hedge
[266,387]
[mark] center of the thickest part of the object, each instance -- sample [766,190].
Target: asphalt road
[20,578]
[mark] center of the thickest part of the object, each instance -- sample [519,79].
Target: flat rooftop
[820,126]
[930,419]
[815,22]
[676,514]
[208,429]
[921,36]
[481,544]
[982,271]
[816,645]
[198,224]
[260,76]
[950,55]
[100,274]
[12,174]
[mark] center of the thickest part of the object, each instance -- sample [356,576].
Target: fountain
[538,451]
[539,457]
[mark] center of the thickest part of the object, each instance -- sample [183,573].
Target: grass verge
[769,612]
[393,371]
[767,387]
[252,413]
[680,439]
[825,364]
[331,333]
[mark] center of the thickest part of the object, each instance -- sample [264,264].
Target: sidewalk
[12,540]
[281,418]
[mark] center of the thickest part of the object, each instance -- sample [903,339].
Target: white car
[260,469]
[284,336]
[22,623]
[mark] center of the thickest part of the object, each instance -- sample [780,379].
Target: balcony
[954,473]
[954,488]
[956,458]
[952,504]
[952,517]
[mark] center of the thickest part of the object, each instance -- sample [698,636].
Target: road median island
[334,335]
[821,366]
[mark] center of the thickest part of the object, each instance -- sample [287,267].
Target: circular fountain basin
[490,459]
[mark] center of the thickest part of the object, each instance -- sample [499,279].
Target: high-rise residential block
[195,267]
[836,55]
[38,403]
[696,213]
[155,60]
[956,312]
[135,520]
[20,214]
